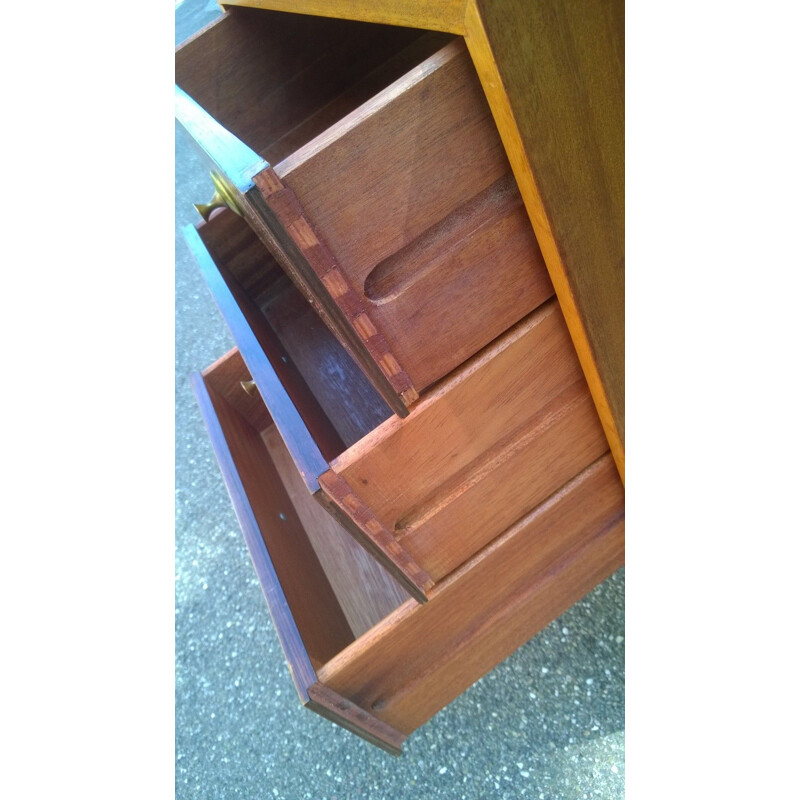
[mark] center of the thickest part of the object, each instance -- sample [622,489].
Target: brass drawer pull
[224,197]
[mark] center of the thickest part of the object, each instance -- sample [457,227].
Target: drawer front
[426,492]
[396,213]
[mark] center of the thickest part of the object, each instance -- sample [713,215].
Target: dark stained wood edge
[217,231]
[217,144]
[331,705]
[318,267]
[304,450]
[302,671]
[356,518]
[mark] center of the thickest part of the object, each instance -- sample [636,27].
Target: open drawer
[366,159]
[360,652]
[426,492]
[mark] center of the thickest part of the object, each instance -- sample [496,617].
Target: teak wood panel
[389,680]
[344,393]
[256,63]
[421,657]
[413,196]
[291,405]
[277,80]
[335,399]
[479,451]
[554,74]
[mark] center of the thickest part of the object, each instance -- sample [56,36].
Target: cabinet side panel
[554,75]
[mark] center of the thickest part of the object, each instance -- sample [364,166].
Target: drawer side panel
[421,658]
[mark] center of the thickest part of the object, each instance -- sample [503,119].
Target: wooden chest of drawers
[405,428]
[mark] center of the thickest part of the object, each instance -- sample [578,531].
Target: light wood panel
[422,657]
[480,450]
[509,480]
[435,15]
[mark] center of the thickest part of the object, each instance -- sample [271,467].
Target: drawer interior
[478,450]
[336,401]
[341,615]
[334,589]
[276,80]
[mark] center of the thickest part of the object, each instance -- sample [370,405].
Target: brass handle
[249,387]
[205,209]
[225,196]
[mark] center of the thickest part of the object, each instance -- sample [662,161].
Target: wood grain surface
[316,266]
[254,341]
[423,656]
[304,355]
[412,198]
[344,393]
[365,591]
[331,705]
[277,80]
[480,450]
[435,15]
[554,75]
[304,562]
[360,521]
[304,608]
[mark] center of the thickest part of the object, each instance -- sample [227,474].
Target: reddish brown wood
[227,381]
[268,76]
[480,450]
[319,618]
[232,245]
[364,590]
[345,394]
[315,256]
[423,656]
[357,517]
[412,196]
[331,705]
